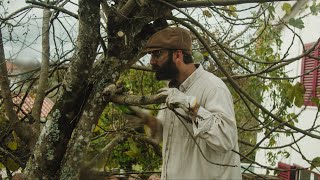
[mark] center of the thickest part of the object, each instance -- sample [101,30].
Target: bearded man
[199,126]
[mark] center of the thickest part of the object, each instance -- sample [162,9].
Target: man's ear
[178,56]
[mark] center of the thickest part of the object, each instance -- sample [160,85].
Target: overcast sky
[23,42]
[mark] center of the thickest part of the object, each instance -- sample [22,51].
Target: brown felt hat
[169,38]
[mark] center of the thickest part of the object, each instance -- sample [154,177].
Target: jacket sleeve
[215,121]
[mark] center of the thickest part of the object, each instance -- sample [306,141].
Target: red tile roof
[28,104]
[11,67]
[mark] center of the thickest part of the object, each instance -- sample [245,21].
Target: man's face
[162,63]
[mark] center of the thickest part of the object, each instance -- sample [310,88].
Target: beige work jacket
[215,134]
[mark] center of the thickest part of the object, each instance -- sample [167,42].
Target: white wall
[309,146]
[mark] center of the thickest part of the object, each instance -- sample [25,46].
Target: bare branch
[43,80]
[23,131]
[105,151]
[49,6]
[13,157]
[186,4]
[138,100]
[4,84]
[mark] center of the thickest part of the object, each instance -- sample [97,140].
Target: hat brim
[147,50]
[150,49]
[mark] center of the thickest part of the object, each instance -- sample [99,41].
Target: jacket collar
[189,81]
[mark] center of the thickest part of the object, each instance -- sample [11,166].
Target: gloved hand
[177,99]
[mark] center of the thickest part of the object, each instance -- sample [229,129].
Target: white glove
[177,99]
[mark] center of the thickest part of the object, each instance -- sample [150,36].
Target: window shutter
[312,79]
[284,175]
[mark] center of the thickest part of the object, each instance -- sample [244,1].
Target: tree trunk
[23,130]
[53,140]
[43,79]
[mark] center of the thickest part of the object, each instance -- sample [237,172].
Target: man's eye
[156,54]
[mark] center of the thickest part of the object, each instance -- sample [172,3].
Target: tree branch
[138,100]
[49,6]
[233,83]
[13,157]
[187,4]
[105,151]
[43,80]
[23,130]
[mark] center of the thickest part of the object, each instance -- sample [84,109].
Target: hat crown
[170,38]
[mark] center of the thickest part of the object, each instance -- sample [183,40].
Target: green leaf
[133,146]
[206,54]
[232,10]
[286,7]
[131,154]
[271,10]
[295,94]
[291,123]
[12,145]
[272,142]
[292,116]
[134,150]
[286,154]
[290,92]
[315,163]
[97,128]
[298,23]
[197,56]
[315,8]
[137,167]
[315,100]
[207,13]
[11,165]
[124,109]
[299,91]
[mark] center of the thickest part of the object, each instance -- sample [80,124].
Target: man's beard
[167,71]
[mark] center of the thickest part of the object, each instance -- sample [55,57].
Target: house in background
[311,81]
[25,102]
[12,69]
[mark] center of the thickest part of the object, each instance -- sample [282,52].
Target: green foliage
[136,154]
[129,154]
[274,156]
[207,13]
[231,11]
[11,164]
[298,23]
[286,7]
[13,145]
[140,82]
[315,8]
[315,163]
[295,93]
[197,56]
[315,101]
[134,150]
[271,11]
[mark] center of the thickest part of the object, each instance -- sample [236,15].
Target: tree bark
[92,110]
[120,49]
[43,79]
[186,4]
[53,140]
[23,130]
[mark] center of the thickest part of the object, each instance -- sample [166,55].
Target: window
[311,80]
